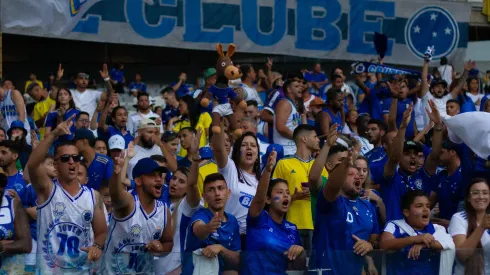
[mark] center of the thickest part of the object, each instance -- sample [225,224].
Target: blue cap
[206,153]
[146,166]
[16,124]
[83,133]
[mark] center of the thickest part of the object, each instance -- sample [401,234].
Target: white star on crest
[447,31]
[416,29]
[434,34]
[433,16]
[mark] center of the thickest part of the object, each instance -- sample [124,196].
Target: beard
[147,143]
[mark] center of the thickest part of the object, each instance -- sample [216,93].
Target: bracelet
[98,246]
[107,79]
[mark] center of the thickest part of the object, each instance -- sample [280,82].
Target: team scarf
[367,67]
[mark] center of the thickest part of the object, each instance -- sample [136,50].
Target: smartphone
[305,185]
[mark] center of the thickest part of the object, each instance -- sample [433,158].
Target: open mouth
[159,187]
[249,155]
[425,216]
[71,169]
[413,164]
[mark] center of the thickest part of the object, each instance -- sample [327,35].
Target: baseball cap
[209,72]
[146,166]
[16,124]
[83,75]
[206,153]
[83,133]
[317,102]
[410,145]
[116,142]
[147,123]
[442,82]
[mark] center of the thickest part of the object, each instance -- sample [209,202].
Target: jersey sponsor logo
[87,216]
[59,210]
[61,245]
[290,226]
[418,183]
[293,172]
[245,199]
[158,233]
[291,238]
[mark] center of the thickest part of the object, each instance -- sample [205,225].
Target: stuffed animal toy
[221,92]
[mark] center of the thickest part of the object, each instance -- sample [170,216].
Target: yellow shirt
[40,110]
[203,123]
[295,171]
[28,82]
[207,168]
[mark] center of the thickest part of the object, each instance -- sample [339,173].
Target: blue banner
[326,29]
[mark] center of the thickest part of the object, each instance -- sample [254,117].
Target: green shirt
[314,197]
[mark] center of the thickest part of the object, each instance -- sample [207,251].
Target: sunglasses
[66,158]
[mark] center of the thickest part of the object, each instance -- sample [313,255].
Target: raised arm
[192,195]
[337,178]
[425,72]
[393,109]
[41,182]
[468,66]
[219,148]
[122,202]
[315,176]
[363,86]
[432,161]
[22,243]
[202,230]
[270,77]
[258,201]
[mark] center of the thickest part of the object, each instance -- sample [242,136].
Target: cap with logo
[117,142]
[411,145]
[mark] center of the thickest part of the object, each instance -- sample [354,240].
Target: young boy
[29,202]
[106,198]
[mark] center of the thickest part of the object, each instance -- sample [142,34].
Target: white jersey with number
[64,226]
[294,119]
[127,238]
[9,114]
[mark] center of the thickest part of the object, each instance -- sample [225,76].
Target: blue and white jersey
[183,212]
[127,238]
[9,113]
[294,119]
[8,264]
[64,226]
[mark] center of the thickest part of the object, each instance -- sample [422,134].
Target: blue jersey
[394,188]
[185,162]
[117,75]
[52,119]
[466,103]
[7,214]
[316,77]
[29,200]
[137,86]
[168,113]
[112,131]
[266,243]
[183,90]
[222,95]
[17,183]
[377,159]
[335,118]
[335,223]
[449,190]
[228,235]
[402,106]
[100,169]
[376,103]
[398,263]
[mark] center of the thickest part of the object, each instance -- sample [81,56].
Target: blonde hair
[367,184]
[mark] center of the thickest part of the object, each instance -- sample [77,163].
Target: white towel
[449,249]
[473,129]
[204,265]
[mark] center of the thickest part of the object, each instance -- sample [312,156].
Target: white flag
[40,17]
[473,129]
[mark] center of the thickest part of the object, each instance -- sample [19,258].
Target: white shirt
[420,115]
[134,121]
[459,226]
[294,119]
[242,193]
[307,103]
[87,100]
[251,94]
[365,145]
[142,153]
[446,72]
[440,103]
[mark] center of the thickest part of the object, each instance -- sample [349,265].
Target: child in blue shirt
[212,231]
[272,241]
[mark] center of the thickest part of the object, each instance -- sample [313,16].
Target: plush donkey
[221,92]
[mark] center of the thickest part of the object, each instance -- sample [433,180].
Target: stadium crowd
[325,172]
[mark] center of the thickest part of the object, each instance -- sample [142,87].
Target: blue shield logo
[432,26]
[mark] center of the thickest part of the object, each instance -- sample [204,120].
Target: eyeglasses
[66,158]
[84,120]
[475,193]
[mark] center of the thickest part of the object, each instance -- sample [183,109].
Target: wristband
[107,79]
[98,246]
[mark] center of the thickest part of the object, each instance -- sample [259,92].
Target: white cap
[117,142]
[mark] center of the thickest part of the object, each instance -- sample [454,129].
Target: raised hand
[34,139]
[268,64]
[131,152]
[469,65]
[394,89]
[105,72]
[271,160]
[361,247]
[194,149]
[64,127]
[429,53]
[407,116]
[118,163]
[60,72]
[332,135]
[434,115]
[214,224]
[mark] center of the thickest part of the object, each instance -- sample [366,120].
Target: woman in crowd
[368,192]
[269,235]
[172,141]
[350,127]
[241,172]
[417,242]
[64,108]
[469,230]
[474,91]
